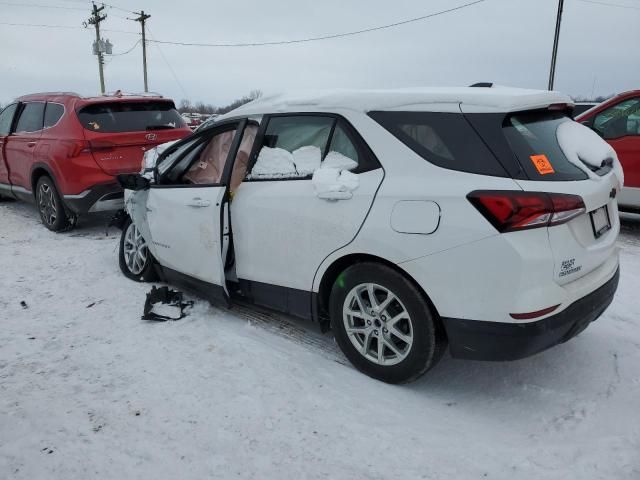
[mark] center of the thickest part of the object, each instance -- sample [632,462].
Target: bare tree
[253,95]
[185,106]
[200,107]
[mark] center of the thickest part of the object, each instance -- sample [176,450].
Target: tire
[50,206]
[135,259]
[411,345]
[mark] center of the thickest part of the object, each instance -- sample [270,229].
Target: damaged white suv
[484,219]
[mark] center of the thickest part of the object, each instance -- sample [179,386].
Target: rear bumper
[99,198]
[481,340]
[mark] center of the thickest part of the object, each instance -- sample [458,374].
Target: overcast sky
[504,41]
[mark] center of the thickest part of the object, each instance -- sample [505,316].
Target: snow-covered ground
[88,390]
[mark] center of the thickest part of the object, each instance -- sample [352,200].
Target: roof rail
[482,85]
[71,94]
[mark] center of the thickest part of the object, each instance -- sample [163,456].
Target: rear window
[130,117]
[444,139]
[533,139]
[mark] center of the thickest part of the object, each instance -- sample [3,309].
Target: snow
[274,163]
[497,98]
[304,161]
[334,176]
[328,180]
[339,161]
[583,147]
[150,158]
[307,160]
[88,390]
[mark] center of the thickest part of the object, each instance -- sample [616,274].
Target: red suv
[618,121]
[63,151]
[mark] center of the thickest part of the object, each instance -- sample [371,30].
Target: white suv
[481,218]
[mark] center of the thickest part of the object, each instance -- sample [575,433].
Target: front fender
[135,204]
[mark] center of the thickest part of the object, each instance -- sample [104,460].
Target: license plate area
[600,221]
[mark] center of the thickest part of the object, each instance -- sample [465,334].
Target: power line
[39,25]
[42,25]
[618,5]
[322,37]
[13,4]
[117,8]
[257,44]
[102,3]
[127,51]
[175,77]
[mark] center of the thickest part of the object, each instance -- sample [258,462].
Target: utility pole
[142,18]
[95,20]
[552,73]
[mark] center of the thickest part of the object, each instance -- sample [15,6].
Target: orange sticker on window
[542,164]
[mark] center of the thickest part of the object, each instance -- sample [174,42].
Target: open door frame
[211,291]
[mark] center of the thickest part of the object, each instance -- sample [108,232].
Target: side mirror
[133,181]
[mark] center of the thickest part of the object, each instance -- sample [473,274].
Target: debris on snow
[164,304]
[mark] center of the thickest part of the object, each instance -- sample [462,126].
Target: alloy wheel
[377,324]
[135,250]
[47,204]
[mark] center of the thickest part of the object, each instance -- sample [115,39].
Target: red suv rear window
[130,117]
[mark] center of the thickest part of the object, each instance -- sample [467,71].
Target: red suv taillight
[509,211]
[78,147]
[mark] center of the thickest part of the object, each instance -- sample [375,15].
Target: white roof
[471,99]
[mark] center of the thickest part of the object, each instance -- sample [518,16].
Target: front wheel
[383,324]
[135,259]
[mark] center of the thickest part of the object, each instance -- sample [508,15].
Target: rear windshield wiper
[160,127]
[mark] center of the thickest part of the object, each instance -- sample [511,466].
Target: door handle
[198,203]
[31,144]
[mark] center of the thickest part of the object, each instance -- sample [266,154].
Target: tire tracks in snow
[290,329]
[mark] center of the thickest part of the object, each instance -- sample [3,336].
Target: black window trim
[13,119]
[16,119]
[505,171]
[364,150]
[207,134]
[64,111]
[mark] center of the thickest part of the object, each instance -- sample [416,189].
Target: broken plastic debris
[163,304]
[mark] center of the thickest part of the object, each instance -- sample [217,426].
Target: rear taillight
[509,211]
[76,147]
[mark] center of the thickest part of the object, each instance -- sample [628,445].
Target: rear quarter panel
[409,177]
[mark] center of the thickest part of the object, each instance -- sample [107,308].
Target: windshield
[120,117]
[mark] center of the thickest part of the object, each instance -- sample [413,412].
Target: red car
[63,151]
[618,121]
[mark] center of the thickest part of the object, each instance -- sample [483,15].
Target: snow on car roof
[490,99]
